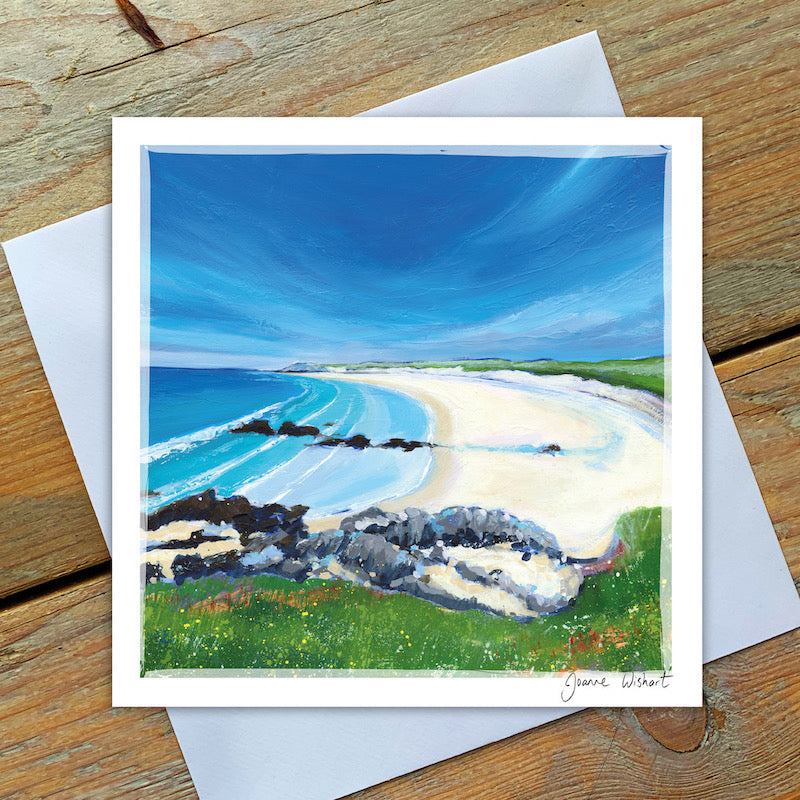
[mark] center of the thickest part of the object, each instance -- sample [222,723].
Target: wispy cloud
[334,258]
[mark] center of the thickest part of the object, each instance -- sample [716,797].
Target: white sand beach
[490,426]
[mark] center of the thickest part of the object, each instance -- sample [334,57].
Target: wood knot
[678,729]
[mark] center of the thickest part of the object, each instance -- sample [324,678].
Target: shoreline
[488,426]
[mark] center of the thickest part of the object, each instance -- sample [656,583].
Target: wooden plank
[763,391]
[59,736]
[47,525]
[749,748]
[69,68]
[78,37]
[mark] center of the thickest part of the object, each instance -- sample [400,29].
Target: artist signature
[635,679]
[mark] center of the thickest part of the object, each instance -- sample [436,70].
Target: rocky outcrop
[453,527]
[459,558]
[360,442]
[153,573]
[236,511]
[407,445]
[357,442]
[261,426]
[288,428]
[498,582]
[195,566]
[196,538]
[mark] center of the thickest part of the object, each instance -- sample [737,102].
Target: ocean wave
[272,469]
[332,480]
[186,442]
[212,476]
[201,481]
[256,482]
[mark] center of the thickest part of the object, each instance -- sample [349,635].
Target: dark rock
[403,552]
[196,538]
[288,428]
[407,445]
[194,566]
[317,546]
[286,540]
[199,507]
[290,568]
[467,527]
[531,547]
[153,573]
[376,557]
[436,553]
[474,574]
[236,511]
[440,597]
[369,556]
[256,426]
[551,448]
[232,564]
[373,520]
[359,442]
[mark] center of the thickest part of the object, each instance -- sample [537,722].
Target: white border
[682,135]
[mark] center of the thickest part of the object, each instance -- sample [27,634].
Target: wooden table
[67,66]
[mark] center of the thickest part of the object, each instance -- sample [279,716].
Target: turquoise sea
[187,445]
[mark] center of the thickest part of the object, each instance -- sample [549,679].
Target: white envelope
[62,274]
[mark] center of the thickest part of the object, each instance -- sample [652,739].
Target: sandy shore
[489,426]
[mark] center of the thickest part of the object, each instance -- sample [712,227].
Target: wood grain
[763,391]
[47,526]
[59,736]
[749,748]
[139,23]
[61,739]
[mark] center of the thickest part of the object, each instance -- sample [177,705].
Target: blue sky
[262,260]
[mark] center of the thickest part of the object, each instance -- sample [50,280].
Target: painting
[406,413]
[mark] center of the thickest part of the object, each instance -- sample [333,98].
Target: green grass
[272,623]
[643,373]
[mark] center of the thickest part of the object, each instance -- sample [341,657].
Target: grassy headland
[640,373]
[273,623]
